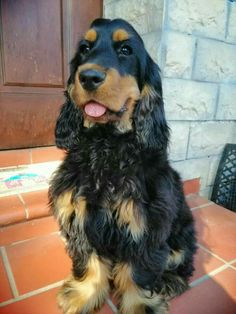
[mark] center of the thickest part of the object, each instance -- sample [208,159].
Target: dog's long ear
[68,124]
[149,117]
[69,121]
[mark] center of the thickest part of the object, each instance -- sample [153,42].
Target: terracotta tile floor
[25,206]
[33,264]
[25,156]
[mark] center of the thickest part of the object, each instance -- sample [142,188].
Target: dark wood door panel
[28,120]
[88,12]
[38,40]
[32,39]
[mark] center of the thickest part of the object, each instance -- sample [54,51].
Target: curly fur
[116,198]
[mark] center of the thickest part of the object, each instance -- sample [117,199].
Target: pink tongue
[94,109]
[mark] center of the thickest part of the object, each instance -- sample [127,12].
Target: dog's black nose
[91,79]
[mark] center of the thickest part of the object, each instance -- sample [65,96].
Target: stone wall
[194,43]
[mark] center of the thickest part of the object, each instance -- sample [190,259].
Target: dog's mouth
[113,101]
[97,111]
[94,109]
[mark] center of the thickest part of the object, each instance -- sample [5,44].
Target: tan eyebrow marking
[90,35]
[120,35]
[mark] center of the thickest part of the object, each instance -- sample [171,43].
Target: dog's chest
[108,171]
[110,183]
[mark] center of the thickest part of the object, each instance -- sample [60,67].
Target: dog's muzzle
[91,79]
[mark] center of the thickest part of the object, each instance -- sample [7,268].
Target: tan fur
[81,206]
[70,88]
[120,35]
[132,298]
[122,275]
[127,290]
[88,124]
[116,91]
[64,207]
[89,293]
[91,35]
[125,123]
[148,91]
[127,214]
[175,258]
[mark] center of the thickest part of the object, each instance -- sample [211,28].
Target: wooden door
[38,38]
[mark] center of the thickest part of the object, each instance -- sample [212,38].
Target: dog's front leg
[86,290]
[87,293]
[133,299]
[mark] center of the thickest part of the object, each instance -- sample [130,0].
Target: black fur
[103,163]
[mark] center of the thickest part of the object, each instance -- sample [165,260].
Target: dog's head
[113,80]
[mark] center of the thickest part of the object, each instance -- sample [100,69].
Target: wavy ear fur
[149,116]
[68,124]
[69,121]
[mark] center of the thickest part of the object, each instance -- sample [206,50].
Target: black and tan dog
[119,204]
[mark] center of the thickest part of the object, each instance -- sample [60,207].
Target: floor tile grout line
[45,289]
[112,306]
[202,206]
[32,293]
[9,272]
[191,195]
[233,267]
[231,264]
[211,253]
[109,302]
[216,271]
[232,261]
[208,276]
[24,204]
[199,281]
[33,238]
[194,195]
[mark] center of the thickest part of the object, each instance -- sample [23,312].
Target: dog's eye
[125,50]
[84,49]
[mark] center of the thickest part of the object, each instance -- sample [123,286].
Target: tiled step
[27,156]
[24,178]
[27,206]
[22,207]
[33,264]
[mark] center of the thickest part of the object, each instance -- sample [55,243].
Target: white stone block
[145,15]
[227,103]
[193,168]
[189,100]
[231,35]
[209,138]
[199,17]
[215,61]
[206,193]
[105,2]
[178,140]
[214,164]
[179,50]
[152,43]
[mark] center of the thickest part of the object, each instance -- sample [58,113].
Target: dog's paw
[68,300]
[77,298]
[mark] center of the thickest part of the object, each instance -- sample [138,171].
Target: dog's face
[107,80]
[114,81]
